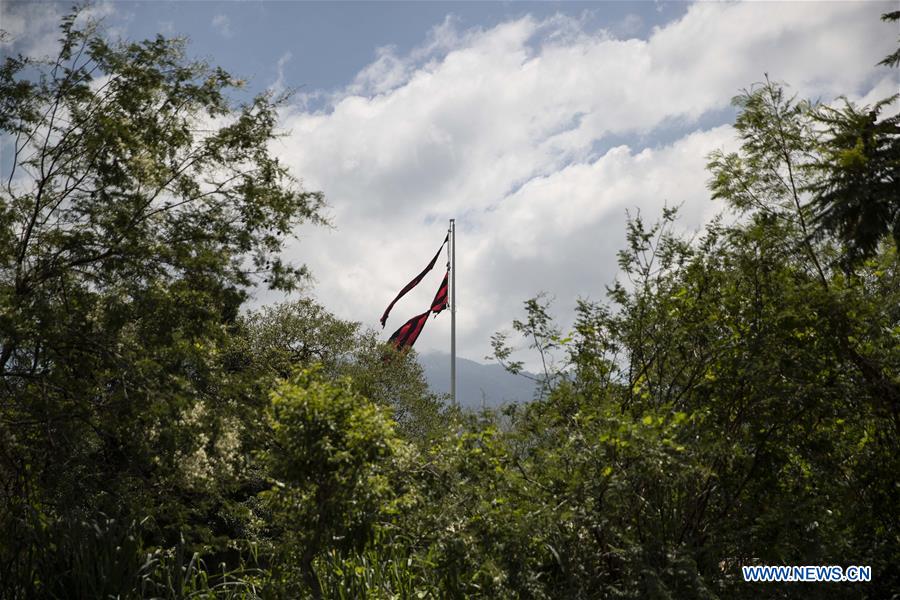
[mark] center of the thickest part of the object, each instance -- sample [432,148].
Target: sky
[536,125]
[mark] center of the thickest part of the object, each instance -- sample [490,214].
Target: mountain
[477,384]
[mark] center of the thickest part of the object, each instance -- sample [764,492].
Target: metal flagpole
[453,311]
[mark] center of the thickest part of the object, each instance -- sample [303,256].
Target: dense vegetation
[734,401]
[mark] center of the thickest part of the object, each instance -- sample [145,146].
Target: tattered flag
[406,336]
[440,298]
[413,283]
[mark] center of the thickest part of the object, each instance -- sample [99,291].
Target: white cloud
[279,85]
[629,25]
[33,27]
[533,135]
[222,24]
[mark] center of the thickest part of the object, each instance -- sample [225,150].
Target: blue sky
[329,42]
[536,125]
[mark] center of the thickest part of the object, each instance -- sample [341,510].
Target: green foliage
[768,176]
[277,340]
[140,204]
[106,558]
[331,454]
[858,173]
[827,171]
[720,414]
[892,59]
[380,573]
[542,335]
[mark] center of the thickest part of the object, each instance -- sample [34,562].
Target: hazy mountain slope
[477,383]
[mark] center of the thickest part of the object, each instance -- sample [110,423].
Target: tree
[276,341]
[892,59]
[542,336]
[858,172]
[857,176]
[832,171]
[714,417]
[141,202]
[767,176]
[736,403]
[331,455]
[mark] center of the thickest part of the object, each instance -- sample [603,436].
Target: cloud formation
[222,24]
[538,135]
[32,28]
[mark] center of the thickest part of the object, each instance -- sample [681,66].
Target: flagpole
[453,311]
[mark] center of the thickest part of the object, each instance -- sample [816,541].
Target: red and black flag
[440,298]
[413,284]
[406,336]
